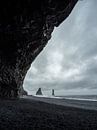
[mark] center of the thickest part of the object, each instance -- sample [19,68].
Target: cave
[25,28]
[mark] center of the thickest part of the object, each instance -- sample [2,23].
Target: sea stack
[53,94]
[39,92]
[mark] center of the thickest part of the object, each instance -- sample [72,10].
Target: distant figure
[53,94]
[39,92]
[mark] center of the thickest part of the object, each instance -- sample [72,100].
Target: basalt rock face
[25,28]
[39,92]
[22,91]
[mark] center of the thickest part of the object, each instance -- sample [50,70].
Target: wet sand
[89,105]
[29,114]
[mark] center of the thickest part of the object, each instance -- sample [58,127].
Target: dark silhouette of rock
[25,28]
[22,91]
[53,94]
[39,92]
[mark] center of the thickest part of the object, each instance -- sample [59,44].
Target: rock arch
[25,28]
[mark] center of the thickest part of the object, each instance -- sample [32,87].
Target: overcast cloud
[69,61]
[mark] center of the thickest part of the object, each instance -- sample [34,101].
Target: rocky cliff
[25,28]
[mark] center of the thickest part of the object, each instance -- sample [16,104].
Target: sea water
[80,97]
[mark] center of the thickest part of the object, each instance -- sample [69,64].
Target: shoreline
[83,104]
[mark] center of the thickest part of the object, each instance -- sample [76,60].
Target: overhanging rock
[25,28]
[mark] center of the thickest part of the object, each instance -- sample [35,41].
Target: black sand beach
[84,104]
[29,114]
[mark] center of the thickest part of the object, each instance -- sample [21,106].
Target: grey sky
[69,62]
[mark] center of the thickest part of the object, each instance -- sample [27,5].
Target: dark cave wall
[25,28]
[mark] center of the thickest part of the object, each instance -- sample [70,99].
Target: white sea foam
[45,96]
[80,99]
[71,98]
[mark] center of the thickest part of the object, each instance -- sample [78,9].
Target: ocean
[80,97]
